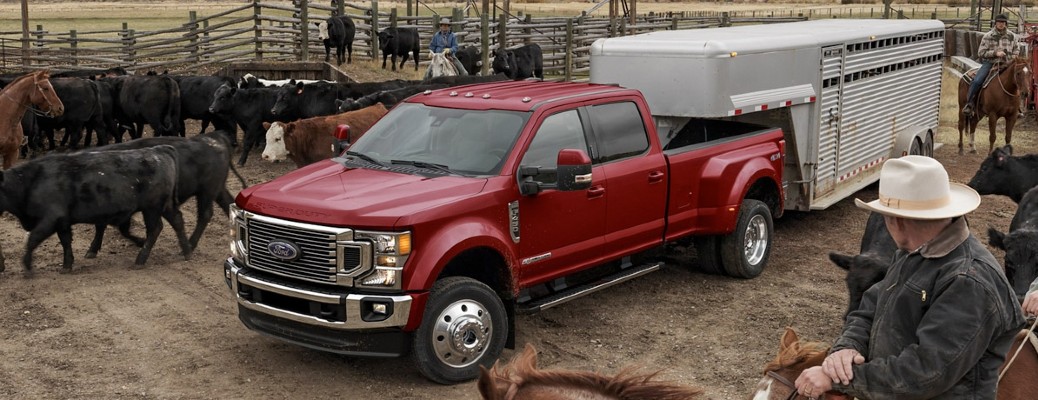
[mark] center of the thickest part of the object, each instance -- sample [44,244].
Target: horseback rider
[444,41]
[997,46]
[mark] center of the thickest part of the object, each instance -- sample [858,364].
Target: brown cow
[310,140]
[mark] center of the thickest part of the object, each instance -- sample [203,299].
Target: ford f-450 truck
[465,206]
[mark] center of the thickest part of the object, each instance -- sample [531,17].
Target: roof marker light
[469,94]
[453,94]
[486,95]
[527,99]
[427,91]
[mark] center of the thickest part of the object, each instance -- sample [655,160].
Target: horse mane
[798,353]
[36,75]
[627,384]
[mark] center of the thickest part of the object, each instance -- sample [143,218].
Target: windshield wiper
[425,165]
[364,157]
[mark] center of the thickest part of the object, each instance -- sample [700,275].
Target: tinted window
[619,132]
[557,132]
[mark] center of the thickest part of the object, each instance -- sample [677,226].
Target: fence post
[374,30]
[726,19]
[484,42]
[257,28]
[129,41]
[192,21]
[392,18]
[304,31]
[674,23]
[527,31]
[612,26]
[340,9]
[568,67]
[205,40]
[502,35]
[73,46]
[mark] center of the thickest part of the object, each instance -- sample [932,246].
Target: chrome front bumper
[356,307]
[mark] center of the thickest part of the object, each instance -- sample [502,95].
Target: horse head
[43,95]
[793,358]
[521,380]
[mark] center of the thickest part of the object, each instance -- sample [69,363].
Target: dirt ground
[170,331]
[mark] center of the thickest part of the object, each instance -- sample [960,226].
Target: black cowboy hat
[1001,18]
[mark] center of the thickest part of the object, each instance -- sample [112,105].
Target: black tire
[917,148]
[745,251]
[928,145]
[464,327]
[708,255]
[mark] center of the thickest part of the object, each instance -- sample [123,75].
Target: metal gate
[830,111]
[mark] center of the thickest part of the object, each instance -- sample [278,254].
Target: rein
[1003,86]
[1030,337]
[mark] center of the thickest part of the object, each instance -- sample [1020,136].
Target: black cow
[1002,173]
[340,31]
[469,57]
[1020,244]
[249,108]
[519,63]
[394,42]
[90,73]
[196,94]
[871,263]
[203,162]
[298,101]
[150,99]
[107,127]
[50,194]
[82,105]
[388,98]
[466,80]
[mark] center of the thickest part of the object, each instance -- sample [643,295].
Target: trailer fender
[913,139]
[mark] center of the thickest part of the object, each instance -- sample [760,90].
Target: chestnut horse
[1019,381]
[999,99]
[521,380]
[32,89]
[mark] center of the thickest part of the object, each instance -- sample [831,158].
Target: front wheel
[744,252]
[464,326]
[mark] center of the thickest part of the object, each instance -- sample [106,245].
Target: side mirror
[342,139]
[573,173]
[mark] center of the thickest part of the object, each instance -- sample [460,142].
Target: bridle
[792,395]
[1003,86]
[29,106]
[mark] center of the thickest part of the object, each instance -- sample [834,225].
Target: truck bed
[700,131]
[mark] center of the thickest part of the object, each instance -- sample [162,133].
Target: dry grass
[947,129]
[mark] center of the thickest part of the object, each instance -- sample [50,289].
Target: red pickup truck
[465,206]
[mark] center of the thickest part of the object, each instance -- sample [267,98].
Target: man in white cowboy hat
[444,41]
[939,324]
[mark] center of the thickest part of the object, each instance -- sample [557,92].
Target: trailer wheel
[708,255]
[464,327]
[917,148]
[744,252]
[928,145]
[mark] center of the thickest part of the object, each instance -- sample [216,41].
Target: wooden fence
[269,30]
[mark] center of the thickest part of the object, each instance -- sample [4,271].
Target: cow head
[992,176]
[504,62]
[288,96]
[383,39]
[1021,262]
[223,99]
[322,30]
[275,150]
[345,105]
[863,271]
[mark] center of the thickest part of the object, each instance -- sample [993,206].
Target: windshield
[470,142]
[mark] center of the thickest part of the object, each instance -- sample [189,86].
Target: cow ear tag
[300,91]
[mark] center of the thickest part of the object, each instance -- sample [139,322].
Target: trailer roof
[749,39]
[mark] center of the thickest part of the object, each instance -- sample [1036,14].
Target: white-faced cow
[1004,174]
[249,108]
[338,32]
[50,194]
[1020,244]
[393,42]
[519,63]
[307,141]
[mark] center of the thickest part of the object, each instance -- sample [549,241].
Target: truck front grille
[316,259]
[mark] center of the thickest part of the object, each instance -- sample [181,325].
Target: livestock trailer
[849,94]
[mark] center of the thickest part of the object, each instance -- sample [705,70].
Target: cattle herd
[111,182]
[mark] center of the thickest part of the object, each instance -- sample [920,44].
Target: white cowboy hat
[445,21]
[917,187]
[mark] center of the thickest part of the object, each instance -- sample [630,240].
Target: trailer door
[829,124]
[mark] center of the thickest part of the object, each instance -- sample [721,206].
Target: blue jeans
[978,81]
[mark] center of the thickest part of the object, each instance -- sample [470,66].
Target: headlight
[391,251]
[238,233]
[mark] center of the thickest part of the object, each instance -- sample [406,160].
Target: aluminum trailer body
[849,94]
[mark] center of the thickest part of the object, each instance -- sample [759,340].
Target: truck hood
[327,193]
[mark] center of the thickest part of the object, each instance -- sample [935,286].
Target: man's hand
[838,365]
[447,51]
[1031,304]
[1000,54]
[813,383]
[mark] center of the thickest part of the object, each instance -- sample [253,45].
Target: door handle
[595,192]
[656,176]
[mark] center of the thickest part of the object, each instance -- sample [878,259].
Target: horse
[440,65]
[999,99]
[32,89]
[521,380]
[1017,375]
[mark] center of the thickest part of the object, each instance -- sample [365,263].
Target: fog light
[378,308]
[386,261]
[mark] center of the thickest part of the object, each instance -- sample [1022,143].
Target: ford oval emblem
[284,249]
